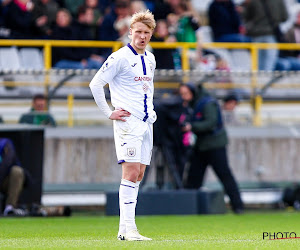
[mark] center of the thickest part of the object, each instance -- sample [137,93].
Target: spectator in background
[44,13]
[38,114]
[3,9]
[93,4]
[208,60]
[82,26]
[230,103]
[19,19]
[164,57]
[98,16]
[210,147]
[187,93]
[163,8]
[184,23]
[82,31]
[204,60]
[173,113]
[226,22]
[290,59]
[13,178]
[222,64]
[105,6]
[74,58]
[107,31]
[61,30]
[136,6]
[188,22]
[73,5]
[260,19]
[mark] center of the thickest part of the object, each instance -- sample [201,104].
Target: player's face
[141,35]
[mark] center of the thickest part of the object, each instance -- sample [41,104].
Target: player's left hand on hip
[119,114]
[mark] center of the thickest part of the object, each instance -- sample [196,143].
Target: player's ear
[130,34]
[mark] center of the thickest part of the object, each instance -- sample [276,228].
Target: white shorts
[133,140]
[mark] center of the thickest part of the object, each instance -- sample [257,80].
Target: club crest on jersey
[145,87]
[131,152]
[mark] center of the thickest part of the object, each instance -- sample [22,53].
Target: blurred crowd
[100,20]
[177,21]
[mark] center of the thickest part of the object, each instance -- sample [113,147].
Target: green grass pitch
[168,232]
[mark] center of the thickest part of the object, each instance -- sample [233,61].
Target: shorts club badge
[131,152]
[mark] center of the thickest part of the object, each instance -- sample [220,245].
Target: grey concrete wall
[263,154]
[87,155]
[81,155]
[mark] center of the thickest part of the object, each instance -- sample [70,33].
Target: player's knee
[141,176]
[132,175]
[132,178]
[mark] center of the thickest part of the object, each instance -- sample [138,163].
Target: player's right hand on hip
[119,114]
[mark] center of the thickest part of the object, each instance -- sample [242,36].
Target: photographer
[210,147]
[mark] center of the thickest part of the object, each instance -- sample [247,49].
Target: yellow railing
[47,46]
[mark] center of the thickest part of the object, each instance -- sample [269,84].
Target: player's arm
[97,87]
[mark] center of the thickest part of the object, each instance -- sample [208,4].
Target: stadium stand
[12,58]
[205,34]
[31,58]
[241,60]
[9,58]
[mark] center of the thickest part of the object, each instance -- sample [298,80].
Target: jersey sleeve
[110,68]
[97,89]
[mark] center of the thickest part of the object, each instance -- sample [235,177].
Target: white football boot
[134,235]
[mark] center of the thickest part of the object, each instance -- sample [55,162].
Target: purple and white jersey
[130,78]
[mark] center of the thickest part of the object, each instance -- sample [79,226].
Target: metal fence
[253,85]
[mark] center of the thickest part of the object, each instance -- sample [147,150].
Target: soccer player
[129,73]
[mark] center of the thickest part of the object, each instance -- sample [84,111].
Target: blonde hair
[145,17]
